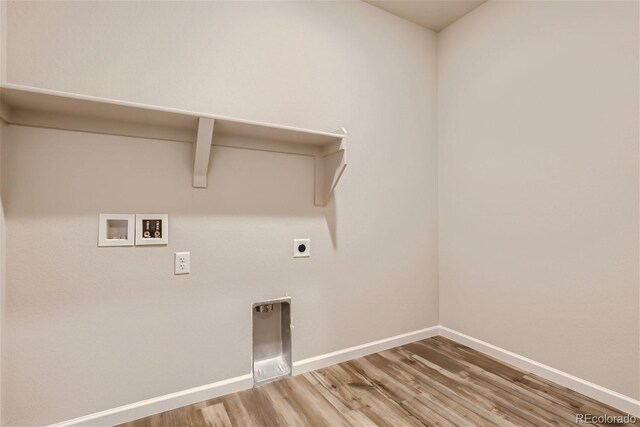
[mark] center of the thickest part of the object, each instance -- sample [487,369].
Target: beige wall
[2,222]
[93,328]
[538,196]
[3,253]
[538,184]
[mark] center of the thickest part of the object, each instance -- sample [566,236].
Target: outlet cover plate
[301,248]
[182,263]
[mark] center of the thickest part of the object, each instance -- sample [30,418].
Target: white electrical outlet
[182,263]
[301,248]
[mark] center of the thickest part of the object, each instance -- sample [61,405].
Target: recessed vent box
[271,340]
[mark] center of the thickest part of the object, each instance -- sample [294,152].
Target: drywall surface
[93,328]
[538,184]
[3,253]
[3,38]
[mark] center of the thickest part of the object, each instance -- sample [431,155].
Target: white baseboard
[617,400]
[156,405]
[171,401]
[324,360]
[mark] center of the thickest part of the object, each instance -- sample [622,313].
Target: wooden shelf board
[30,106]
[26,105]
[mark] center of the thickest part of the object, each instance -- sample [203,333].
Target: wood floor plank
[237,413]
[480,369]
[397,390]
[337,395]
[509,401]
[377,403]
[260,402]
[357,418]
[438,383]
[434,382]
[459,414]
[339,383]
[216,415]
[310,401]
[426,413]
[287,406]
[556,393]
[455,395]
[472,393]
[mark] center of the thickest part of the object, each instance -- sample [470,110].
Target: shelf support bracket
[202,151]
[329,167]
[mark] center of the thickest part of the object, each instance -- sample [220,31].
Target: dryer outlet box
[301,248]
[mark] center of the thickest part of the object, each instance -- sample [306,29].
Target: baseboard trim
[324,360]
[604,395]
[156,405]
[171,401]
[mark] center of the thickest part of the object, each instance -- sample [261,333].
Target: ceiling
[432,14]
